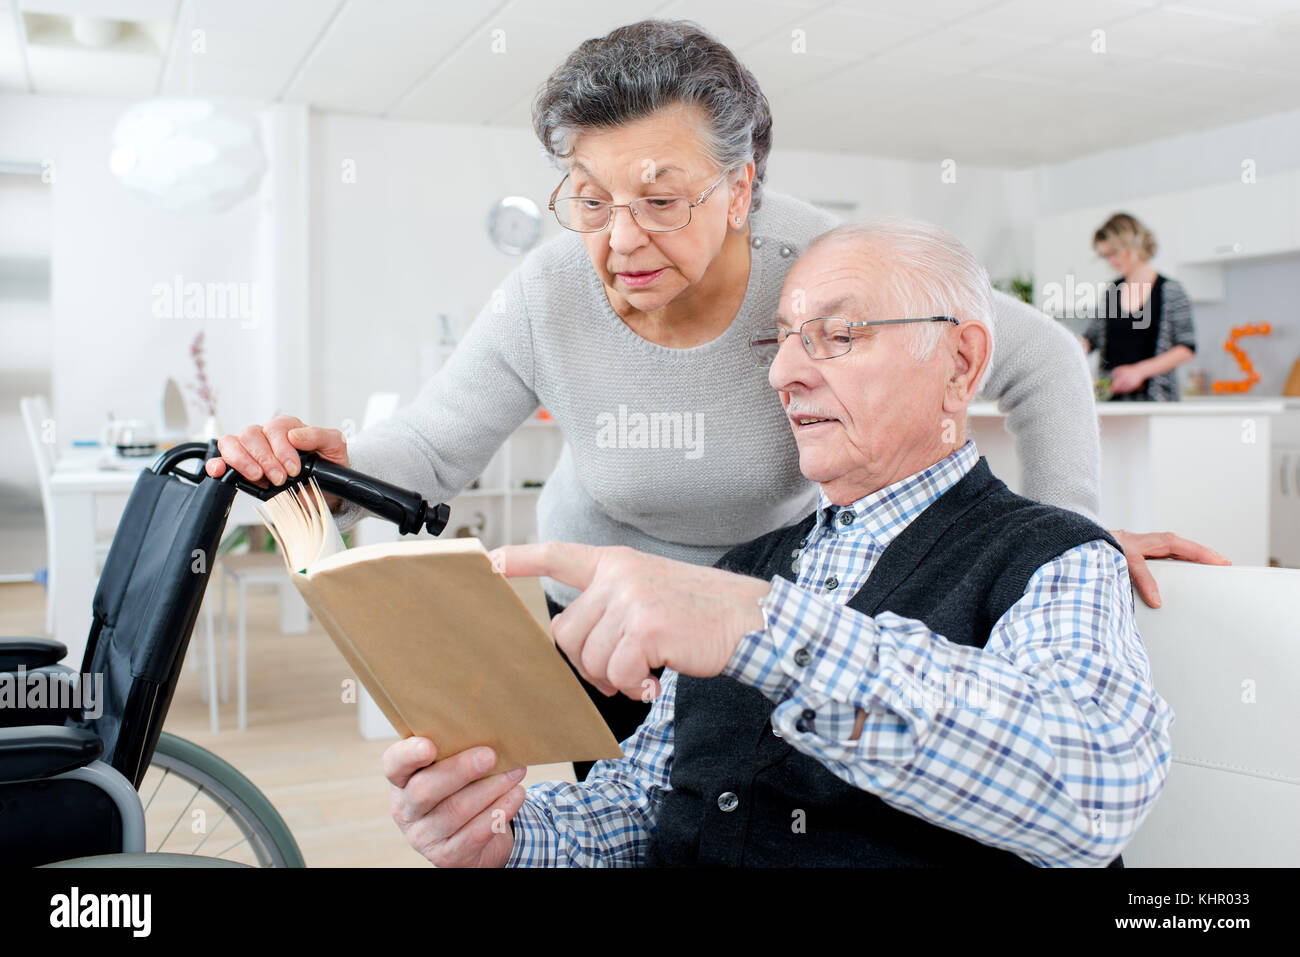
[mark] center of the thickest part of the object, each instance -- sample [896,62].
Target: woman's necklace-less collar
[1144,286]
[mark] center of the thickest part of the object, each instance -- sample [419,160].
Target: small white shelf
[530,453]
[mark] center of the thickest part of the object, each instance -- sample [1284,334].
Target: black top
[1130,336]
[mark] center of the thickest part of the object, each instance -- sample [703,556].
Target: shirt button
[846,518]
[757,242]
[802,657]
[728,802]
[803,543]
[794,566]
[785,250]
[775,733]
[832,583]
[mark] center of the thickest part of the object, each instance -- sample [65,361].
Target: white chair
[1225,653]
[251,568]
[35,411]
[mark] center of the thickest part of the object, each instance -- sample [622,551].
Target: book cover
[440,640]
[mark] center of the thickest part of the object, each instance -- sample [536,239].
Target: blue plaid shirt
[1048,742]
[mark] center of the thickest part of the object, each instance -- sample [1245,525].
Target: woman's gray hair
[938,276]
[638,69]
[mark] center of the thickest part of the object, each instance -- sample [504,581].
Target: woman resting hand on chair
[268,454]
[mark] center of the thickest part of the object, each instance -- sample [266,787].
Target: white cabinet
[1284,491]
[1237,220]
[1197,231]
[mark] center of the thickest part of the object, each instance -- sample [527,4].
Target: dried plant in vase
[205,395]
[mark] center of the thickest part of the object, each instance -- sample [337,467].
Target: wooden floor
[302,747]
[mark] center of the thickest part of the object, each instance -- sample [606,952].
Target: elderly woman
[673,255]
[1144,332]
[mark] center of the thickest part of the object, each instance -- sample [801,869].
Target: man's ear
[971,344]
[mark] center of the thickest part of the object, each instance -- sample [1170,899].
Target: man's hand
[449,812]
[638,612]
[1138,547]
[1125,379]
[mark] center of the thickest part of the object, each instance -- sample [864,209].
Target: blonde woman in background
[1145,330]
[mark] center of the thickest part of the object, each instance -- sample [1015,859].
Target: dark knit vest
[743,797]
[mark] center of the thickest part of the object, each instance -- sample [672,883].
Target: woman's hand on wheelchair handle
[269,453]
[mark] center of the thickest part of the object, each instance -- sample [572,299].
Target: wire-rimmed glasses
[823,338]
[657,214]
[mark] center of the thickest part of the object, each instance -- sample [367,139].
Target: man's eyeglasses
[823,338]
[657,214]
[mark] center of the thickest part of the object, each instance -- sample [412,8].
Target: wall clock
[515,225]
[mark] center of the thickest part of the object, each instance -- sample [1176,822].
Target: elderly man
[927,670]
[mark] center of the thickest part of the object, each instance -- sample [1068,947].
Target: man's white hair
[929,272]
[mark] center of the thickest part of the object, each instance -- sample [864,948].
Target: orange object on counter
[1243,361]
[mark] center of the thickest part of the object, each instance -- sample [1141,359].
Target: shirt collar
[886,512]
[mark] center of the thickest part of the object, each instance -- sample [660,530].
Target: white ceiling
[1005,82]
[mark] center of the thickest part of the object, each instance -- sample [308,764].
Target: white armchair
[1225,654]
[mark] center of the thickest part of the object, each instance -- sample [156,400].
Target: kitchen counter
[1215,405]
[1199,467]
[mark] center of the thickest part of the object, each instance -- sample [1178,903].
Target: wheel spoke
[166,771]
[196,793]
[212,830]
[242,840]
[256,824]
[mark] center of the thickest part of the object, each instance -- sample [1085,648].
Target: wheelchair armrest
[44,750]
[16,652]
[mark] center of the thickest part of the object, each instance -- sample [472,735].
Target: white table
[76,483]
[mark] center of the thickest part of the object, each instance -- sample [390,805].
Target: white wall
[1264,291]
[1203,158]
[108,250]
[25,328]
[988,208]
[405,241]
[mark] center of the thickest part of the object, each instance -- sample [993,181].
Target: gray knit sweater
[684,452]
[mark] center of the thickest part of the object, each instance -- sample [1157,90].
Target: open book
[439,639]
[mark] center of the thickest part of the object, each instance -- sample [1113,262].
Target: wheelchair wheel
[196,803]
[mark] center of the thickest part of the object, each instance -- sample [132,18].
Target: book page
[302,525]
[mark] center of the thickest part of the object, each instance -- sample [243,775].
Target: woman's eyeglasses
[823,338]
[657,214]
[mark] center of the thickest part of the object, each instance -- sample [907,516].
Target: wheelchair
[87,775]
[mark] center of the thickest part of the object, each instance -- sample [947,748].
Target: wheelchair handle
[406,509]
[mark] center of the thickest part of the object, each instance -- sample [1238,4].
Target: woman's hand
[1138,547]
[1126,379]
[271,451]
